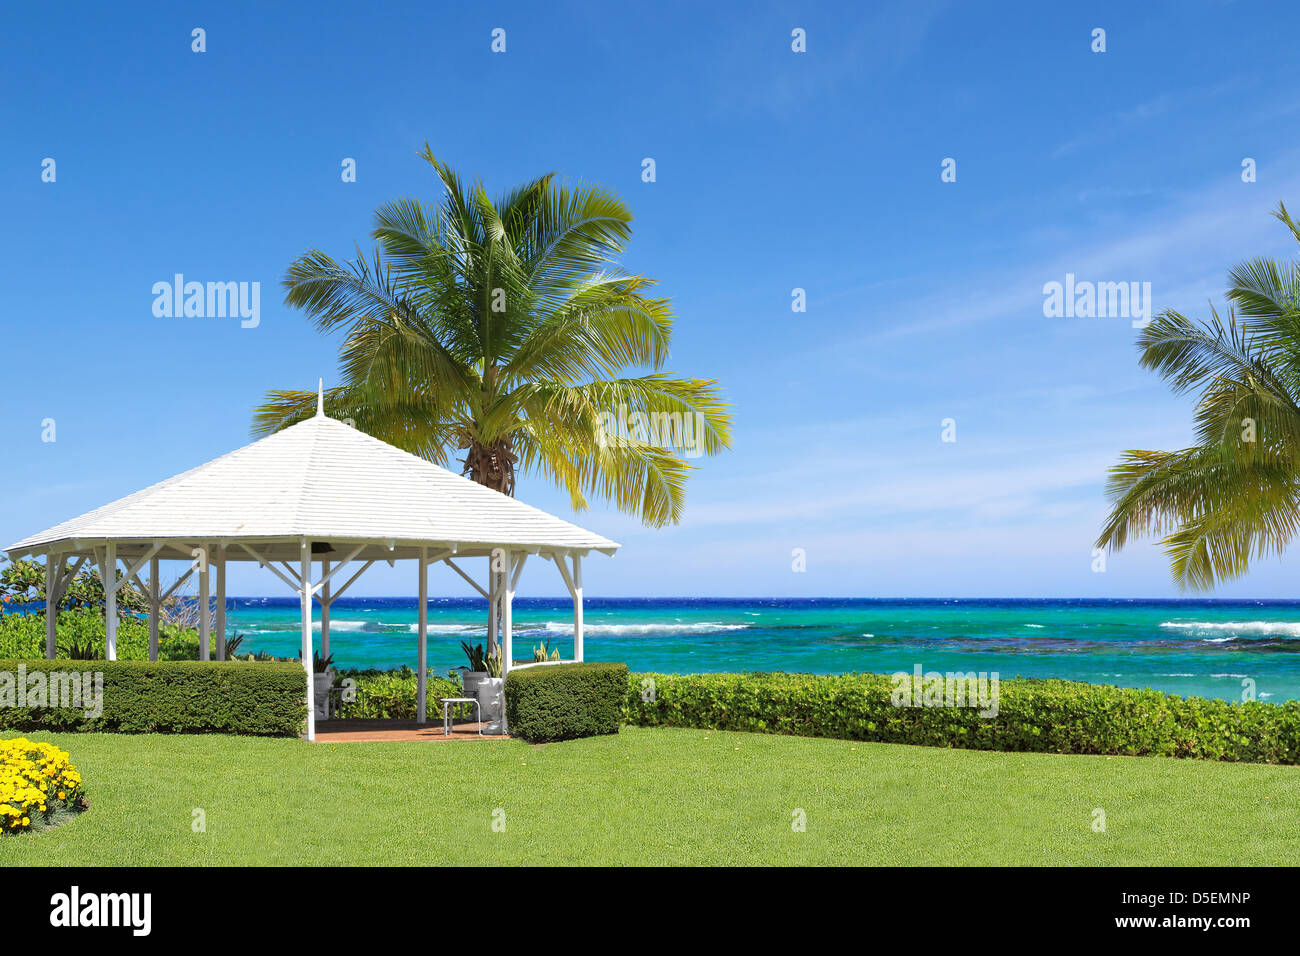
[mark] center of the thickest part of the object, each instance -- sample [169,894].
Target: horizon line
[727,597]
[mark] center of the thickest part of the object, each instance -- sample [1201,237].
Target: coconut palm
[1235,495]
[505,328]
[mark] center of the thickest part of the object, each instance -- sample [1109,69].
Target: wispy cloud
[1186,247]
[851,50]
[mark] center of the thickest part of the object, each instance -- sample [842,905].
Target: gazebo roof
[326,481]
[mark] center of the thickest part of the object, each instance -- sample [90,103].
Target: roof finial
[320,397]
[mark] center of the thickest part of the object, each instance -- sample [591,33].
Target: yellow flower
[29,774]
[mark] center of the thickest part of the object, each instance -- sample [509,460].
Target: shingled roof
[325,481]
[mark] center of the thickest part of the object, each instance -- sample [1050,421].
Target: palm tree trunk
[491,465]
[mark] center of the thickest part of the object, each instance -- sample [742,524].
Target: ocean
[1190,647]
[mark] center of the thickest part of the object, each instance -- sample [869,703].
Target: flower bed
[39,786]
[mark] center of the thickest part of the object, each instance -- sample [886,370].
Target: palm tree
[504,328]
[1235,495]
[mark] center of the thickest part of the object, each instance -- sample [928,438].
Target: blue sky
[775,170]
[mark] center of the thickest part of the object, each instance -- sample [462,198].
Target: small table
[446,712]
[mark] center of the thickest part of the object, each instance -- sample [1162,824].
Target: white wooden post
[422,643]
[205,603]
[108,571]
[53,570]
[155,608]
[493,596]
[507,631]
[221,602]
[305,594]
[577,607]
[325,609]
[507,614]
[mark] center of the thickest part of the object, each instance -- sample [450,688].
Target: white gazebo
[319,492]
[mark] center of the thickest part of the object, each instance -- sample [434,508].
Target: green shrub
[390,695]
[565,701]
[23,635]
[1050,716]
[184,697]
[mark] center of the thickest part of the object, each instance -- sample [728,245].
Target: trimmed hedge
[566,701]
[1048,716]
[182,697]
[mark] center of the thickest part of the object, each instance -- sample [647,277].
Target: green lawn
[653,796]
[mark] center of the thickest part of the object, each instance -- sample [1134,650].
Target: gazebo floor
[364,731]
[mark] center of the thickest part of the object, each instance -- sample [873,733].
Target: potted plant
[322,681]
[491,692]
[476,673]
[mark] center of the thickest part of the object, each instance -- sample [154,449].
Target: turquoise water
[1205,648]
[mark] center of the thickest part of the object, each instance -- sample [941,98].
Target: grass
[654,796]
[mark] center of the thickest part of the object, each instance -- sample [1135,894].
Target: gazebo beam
[327,572]
[69,574]
[323,592]
[177,583]
[350,581]
[519,569]
[472,583]
[292,573]
[293,585]
[133,569]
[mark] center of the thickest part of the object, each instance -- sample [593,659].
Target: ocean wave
[524,628]
[364,627]
[1239,628]
[343,627]
[636,630]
